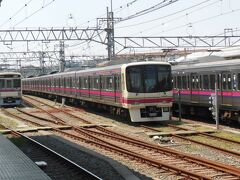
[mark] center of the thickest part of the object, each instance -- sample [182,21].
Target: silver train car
[10,89]
[141,90]
[194,82]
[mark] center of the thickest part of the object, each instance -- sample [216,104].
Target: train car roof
[10,73]
[120,65]
[104,68]
[213,66]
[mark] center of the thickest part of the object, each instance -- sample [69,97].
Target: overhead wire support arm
[51,34]
[177,41]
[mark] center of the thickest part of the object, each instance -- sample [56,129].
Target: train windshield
[10,83]
[149,78]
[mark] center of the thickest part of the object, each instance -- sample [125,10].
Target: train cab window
[238,80]
[205,82]
[8,83]
[134,79]
[16,83]
[212,81]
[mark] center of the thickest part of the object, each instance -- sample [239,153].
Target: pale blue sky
[208,17]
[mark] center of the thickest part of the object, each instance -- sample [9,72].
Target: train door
[195,82]
[236,89]
[226,92]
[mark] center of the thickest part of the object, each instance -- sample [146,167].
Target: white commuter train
[139,90]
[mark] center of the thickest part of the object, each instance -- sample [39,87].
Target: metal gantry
[52,34]
[105,37]
[177,42]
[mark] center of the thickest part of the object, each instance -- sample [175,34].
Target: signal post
[213,100]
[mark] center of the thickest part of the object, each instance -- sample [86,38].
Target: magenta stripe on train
[9,90]
[134,101]
[114,94]
[208,93]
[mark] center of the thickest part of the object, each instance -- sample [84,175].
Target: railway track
[52,163]
[226,151]
[171,161]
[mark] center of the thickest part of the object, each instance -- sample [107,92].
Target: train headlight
[165,109]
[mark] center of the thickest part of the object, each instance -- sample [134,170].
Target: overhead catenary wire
[162,17]
[35,12]
[204,19]
[162,4]
[16,13]
[180,16]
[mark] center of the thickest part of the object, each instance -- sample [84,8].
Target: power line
[178,17]
[162,4]
[44,6]
[152,20]
[204,19]
[16,13]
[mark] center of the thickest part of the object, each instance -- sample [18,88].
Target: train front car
[10,89]
[147,91]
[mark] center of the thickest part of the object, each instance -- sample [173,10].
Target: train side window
[179,82]
[70,82]
[218,81]
[224,82]
[193,82]
[197,82]
[123,82]
[2,83]
[212,81]
[118,80]
[64,82]
[109,83]
[79,82]
[184,82]
[175,82]
[96,82]
[234,82]
[200,82]
[85,83]
[205,82]
[238,81]
[229,82]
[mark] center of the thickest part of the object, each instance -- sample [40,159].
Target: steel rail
[211,163]
[17,134]
[121,151]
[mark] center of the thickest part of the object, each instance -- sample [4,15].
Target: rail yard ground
[43,118]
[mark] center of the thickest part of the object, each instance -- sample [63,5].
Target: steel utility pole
[110,34]
[62,57]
